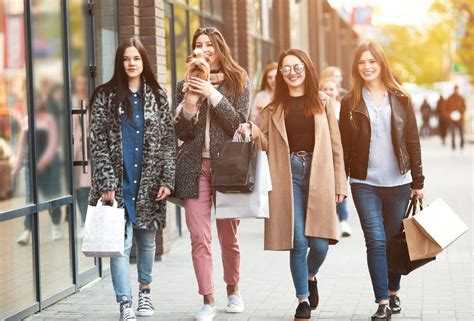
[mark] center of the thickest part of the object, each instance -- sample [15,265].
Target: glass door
[82,83]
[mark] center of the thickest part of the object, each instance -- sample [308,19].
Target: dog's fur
[197,66]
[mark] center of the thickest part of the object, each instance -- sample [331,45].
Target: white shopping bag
[104,231]
[439,222]
[248,205]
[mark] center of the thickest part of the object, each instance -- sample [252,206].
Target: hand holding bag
[104,234]
[248,205]
[234,169]
[398,259]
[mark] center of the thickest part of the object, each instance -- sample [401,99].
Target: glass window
[51,136]
[17,277]
[55,251]
[80,96]
[194,24]
[15,160]
[105,33]
[206,6]
[181,41]
[195,4]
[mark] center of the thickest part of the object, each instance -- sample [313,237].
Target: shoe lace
[128,314]
[144,301]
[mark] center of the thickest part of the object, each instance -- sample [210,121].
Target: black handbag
[234,168]
[398,257]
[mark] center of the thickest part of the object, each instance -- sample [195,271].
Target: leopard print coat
[158,160]
[224,121]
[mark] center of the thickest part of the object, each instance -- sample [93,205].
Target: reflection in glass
[56,258]
[195,4]
[194,23]
[50,108]
[14,184]
[181,41]
[17,290]
[80,123]
[105,31]
[206,6]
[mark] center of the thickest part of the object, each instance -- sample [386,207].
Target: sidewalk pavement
[439,291]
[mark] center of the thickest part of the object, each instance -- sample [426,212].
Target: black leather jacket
[354,125]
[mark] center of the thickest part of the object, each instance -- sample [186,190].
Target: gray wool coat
[224,121]
[158,159]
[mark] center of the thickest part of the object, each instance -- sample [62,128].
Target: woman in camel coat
[299,131]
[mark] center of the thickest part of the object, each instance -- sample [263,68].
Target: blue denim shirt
[132,150]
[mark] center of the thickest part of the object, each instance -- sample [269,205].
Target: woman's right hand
[108,196]
[245,129]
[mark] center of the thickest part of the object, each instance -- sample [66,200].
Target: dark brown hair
[119,80]
[387,76]
[233,73]
[312,101]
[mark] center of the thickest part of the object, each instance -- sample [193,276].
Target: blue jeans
[120,266]
[381,211]
[302,264]
[341,209]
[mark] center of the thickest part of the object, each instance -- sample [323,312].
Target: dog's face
[198,66]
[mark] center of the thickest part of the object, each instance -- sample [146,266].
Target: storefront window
[15,161]
[194,24]
[105,32]
[181,41]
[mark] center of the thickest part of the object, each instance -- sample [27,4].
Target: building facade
[53,54]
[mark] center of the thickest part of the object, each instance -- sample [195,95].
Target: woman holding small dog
[299,131]
[383,160]
[204,127]
[133,152]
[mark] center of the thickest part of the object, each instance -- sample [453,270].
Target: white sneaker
[345,229]
[57,233]
[24,238]
[206,313]
[126,311]
[235,304]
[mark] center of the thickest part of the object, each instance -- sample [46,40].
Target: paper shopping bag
[104,231]
[440,223]
[248,205]
[420,246]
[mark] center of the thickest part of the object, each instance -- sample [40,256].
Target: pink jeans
[198,220]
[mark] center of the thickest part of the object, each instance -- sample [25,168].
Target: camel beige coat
[327,177]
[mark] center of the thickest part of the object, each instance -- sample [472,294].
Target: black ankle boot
[313,294]
[383,313]
[303,312]
[395,304]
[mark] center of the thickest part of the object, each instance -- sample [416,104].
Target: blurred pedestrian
[133,155]
[335,73]
[443,118]
[204,130]
[300,133]
[455,108]
[383,160]
[82,181]
[425,110]
[265,93]
[329,87]
[47,156]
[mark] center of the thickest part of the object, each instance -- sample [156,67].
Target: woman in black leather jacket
[382,158]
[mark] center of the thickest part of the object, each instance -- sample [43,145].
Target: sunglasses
[286,70]
[207,30]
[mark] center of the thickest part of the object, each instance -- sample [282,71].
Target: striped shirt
[383,167]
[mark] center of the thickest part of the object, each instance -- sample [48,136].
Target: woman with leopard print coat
[133,149]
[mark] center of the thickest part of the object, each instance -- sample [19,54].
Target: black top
[299,127]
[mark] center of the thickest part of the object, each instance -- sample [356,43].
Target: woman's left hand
[418,193]
[163,193]
[339,198]
[200,87]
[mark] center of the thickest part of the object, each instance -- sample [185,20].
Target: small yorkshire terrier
[197,66]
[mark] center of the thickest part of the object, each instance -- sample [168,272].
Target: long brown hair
[269,67]
[312,102]
[119,80]
[233,73]
[387,76]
